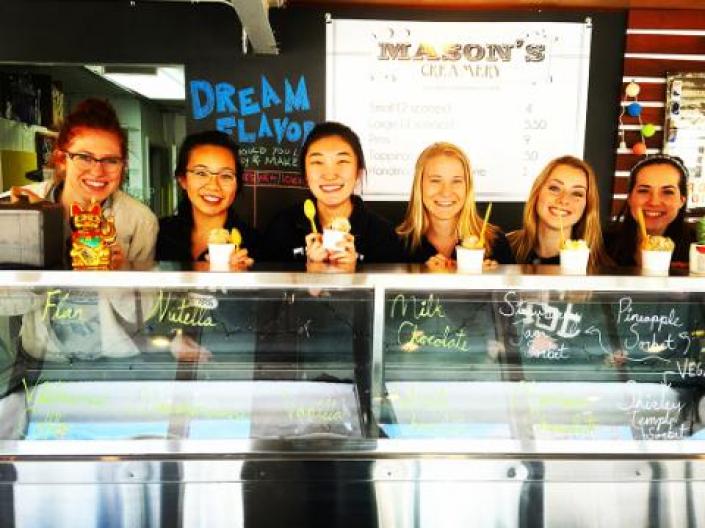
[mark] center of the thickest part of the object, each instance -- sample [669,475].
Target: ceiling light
[160,82]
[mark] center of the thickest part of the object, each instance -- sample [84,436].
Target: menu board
[513,95]
[685,130]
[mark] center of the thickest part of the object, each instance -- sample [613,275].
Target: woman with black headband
[657,186]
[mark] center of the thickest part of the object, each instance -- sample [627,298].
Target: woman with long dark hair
[658,185]
[209,174]
[333,163]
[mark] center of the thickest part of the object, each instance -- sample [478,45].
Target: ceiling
[511,4]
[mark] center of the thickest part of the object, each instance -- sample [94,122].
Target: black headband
[654,159]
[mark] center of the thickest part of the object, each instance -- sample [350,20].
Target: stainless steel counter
[486,443]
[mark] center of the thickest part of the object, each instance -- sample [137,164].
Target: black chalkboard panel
[544,336]
[448,335]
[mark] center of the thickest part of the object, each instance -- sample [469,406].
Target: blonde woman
[442,210]
[563,196]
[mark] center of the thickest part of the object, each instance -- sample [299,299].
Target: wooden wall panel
[667,19]
[658,42]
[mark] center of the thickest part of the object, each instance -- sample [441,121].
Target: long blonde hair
[524,240]
[416,220]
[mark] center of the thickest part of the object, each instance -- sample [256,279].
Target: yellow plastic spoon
[310,212]
[235,238]
[484,224]
[642,227]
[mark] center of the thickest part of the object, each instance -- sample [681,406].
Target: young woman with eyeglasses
[89,160]
[209,174]
[563,196]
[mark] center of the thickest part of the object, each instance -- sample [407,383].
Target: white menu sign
[685,130]
[513,95]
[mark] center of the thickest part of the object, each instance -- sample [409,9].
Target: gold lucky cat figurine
[91,238]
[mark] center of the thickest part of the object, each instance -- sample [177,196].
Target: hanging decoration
[634,109]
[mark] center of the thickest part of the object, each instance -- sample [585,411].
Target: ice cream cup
[574,261]
[469,260]
[697,259]
[219,256]
[331,237]
[655,262]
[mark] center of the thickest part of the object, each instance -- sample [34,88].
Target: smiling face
[562,198]
[657,193]
[443,188]
[210,181]
[331,170]
[95,181]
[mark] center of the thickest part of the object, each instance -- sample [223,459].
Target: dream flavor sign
[513,95]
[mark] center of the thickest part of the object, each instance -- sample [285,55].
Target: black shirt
[174,239]
[375,240]
[533,258]
[500,251]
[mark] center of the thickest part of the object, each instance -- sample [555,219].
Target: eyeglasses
[111,164]
[203,175]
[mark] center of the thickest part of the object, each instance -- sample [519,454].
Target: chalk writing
[656,414]
[60,310]
[543,327]
[412,334]
[180,310]
[410,337]
[652,333]
[274,179]
[542,315]
[421,309]
[245,112]
[325,410]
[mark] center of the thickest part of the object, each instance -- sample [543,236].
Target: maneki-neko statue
[91,238]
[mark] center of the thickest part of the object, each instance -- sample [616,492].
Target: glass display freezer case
[387,397]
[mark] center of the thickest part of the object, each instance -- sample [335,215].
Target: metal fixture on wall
[254,18]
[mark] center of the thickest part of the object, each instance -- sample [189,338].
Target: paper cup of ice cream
[656,255]
[220,248]
[697,259]
[469,255]
[335,233]
[655,262]
[575,255]
[219,255]
[331,237]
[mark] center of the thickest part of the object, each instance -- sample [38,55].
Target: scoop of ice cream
[471,242]
[219,236]
[659,243]
[574,245]
[340,223]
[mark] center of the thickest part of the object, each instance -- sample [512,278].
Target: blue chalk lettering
[308,126]
[247,105]
[264,129]
[226,124]
[280,127]
[296,100]
[293,132]
[201,108]
[224,103]
[269,95]
[242,134]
